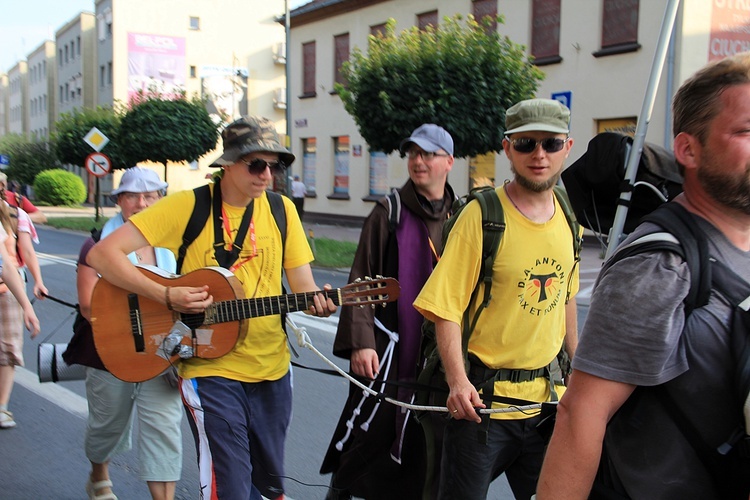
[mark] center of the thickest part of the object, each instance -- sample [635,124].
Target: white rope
[303,340]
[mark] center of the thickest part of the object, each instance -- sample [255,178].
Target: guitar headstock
[370,291]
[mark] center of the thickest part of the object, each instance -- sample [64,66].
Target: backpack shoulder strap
[493,227]
[691,244]
[575,229]
[570,216]
[279,214]
[196,222]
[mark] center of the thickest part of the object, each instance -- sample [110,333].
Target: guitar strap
[225,257]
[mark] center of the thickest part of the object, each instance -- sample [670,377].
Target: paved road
[43,457]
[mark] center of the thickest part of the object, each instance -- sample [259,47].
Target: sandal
[91,489]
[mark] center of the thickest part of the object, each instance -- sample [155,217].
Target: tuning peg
[367,278]
[358,280]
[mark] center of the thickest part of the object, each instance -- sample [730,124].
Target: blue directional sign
[4,161]
[564,97]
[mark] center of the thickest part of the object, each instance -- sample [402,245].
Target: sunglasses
[528,145]
[427,156]
[257,165]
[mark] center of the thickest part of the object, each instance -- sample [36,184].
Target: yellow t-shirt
[524,325]
[261,352]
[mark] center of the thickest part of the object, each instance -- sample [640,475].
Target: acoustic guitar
[138,338]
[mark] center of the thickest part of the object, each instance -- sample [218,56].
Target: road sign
[98,164]
[4,162]
[564,97]
[96,139]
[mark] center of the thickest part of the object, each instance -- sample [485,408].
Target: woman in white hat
[111,401]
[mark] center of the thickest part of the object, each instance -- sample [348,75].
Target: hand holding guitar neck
[322,305]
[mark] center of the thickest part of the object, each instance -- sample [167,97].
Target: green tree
[462,76]
[161,130]
[72,127]
[27,159]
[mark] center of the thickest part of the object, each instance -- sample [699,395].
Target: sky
[25,24]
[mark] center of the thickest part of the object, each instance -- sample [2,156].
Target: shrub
[59,187]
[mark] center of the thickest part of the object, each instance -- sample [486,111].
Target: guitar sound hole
[193,321]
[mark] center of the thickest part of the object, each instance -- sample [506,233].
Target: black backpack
[729,463]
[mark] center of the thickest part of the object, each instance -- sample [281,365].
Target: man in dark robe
[377,450]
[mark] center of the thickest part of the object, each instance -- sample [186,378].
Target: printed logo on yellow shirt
[543,287]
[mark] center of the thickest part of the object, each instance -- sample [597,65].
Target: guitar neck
[239,309]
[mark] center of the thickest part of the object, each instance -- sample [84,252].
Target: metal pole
[643,120]
[287,86]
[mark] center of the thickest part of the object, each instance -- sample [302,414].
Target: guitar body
[117,320]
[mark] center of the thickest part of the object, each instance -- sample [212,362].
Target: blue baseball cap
[429,137]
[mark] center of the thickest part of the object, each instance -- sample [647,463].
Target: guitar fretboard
[237,310]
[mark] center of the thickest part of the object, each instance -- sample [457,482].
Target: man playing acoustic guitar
[239,405]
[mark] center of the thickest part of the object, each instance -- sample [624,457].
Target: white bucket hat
[138,180]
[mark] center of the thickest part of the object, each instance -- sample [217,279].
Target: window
[67,91]
[101,76]
[545,32]
[109,73]
[341,49]
[377,29]
[341,167]
[486,8]
[619,27]
[378,175]
[308,69]
[62,94]
[195,23]
[309,152]
[427,19]
[193,72]
[78,45]
[72,50]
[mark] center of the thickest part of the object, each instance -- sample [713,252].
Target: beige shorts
[11,331]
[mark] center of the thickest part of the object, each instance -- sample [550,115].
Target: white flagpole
[634,156]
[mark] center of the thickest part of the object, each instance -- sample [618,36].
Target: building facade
[596,56]
[18,114]
[76,56]
[4,94]
[42,91]
[225,51]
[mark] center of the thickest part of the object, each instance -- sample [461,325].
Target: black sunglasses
[528,145]
[257,165]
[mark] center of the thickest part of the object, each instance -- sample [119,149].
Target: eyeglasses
[258,165]
[528,145]
[134,197]
[426,155]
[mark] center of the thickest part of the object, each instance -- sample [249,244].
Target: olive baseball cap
[249,134]
[543,115]
[429,137]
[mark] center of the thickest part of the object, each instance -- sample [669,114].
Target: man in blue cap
[376,450]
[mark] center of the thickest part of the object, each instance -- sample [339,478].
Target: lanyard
[228,230]
[226,255]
